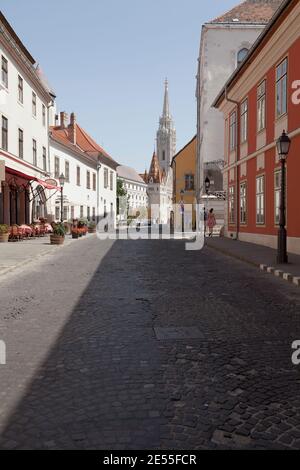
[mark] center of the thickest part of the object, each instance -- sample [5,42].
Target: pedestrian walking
[211,222]
[204,219]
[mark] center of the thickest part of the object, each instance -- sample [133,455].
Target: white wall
[217,61]
[78,196]
[20,115]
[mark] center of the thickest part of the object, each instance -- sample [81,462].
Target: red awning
[47,185]
[31,178]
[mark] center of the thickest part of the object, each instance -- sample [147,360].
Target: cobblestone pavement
[142,345]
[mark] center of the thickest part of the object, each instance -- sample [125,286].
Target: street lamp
[182,210]
[283,147]
[62,180]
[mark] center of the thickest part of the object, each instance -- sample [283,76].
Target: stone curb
[288,277]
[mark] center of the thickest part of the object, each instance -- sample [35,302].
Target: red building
[259,101]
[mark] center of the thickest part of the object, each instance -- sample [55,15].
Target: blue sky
[107,61]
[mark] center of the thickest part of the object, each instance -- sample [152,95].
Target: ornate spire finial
[166,110]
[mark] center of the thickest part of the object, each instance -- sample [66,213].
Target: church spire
[166,110]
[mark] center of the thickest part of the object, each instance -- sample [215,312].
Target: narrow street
[143,345]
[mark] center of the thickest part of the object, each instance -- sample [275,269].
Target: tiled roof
[250,11]
[129,173]
[156,175]
[84,143]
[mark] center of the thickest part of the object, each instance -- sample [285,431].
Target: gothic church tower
[166,136]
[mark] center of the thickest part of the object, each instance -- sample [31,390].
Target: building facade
[24,109]
[225,42]
[90,173]
[136,189]
[160,178]
[266,92]
[184,197]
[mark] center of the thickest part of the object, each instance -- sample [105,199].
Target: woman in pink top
[211,221]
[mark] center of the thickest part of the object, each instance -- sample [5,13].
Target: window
[231,207]
[81,212]
[57,213]
[4,68]
[94,181]
[277,195]
[105,178]
[33,104]
[244,121]
[232,131]
[242,55]
[4,133]
[44,159]
[243,203]
[34,154]
[164,155]
[88,213]
[78,176]
[281,88]
[65,216]
[44,114]
[67,172]
[94,214]
[88,180]
[21,144]
[260,200]
[189,182]
[261,106]
[20,89]
[111,180]
[72,212]
[56,167]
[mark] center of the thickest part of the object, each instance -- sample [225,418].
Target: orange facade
[267,88]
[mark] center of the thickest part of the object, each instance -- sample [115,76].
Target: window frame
[21,143]
[34,104]
[20,89]
[281,85]
[44,158]
[34,152]
[244,121]
[260,198]
[4,133]
[243,203]
[78,175]
[4,71]
[232,131]
[56,167]
[67,171]
[261,99]
[231,205]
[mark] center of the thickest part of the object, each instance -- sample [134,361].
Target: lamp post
[283,147]
[182,210]
[207,187]
[62,180]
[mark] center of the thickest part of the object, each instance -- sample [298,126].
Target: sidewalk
[260,256]
[17,254]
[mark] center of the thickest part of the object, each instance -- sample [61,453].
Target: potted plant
[92,227]
[75,232]
[4,233]
[58,235]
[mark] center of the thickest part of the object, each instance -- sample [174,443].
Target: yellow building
[184,173]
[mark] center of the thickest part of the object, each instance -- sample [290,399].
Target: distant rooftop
[250,11]
[129,173]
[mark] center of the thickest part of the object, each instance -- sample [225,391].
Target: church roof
[129,174]
[250,11]
[155,172]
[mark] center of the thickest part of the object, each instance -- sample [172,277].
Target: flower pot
[57,240]
[4,237]
[92,230]
[75,235]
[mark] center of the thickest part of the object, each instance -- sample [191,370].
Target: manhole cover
[190,332]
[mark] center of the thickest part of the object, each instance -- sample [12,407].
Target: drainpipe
[238,143]
[98,188]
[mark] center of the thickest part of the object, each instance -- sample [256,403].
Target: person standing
[211,222]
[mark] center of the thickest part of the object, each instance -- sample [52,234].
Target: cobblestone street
[143,345]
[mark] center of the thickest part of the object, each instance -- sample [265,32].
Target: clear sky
[107,61]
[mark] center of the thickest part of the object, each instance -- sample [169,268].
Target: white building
[136,190]
[90,173]
[160,176]
[24,108]
[225,42]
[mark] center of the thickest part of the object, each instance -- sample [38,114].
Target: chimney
[72,129]
[63,119]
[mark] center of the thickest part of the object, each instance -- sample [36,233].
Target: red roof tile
[250,11]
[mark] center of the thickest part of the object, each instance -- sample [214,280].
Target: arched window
[164,155]
[241,55]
